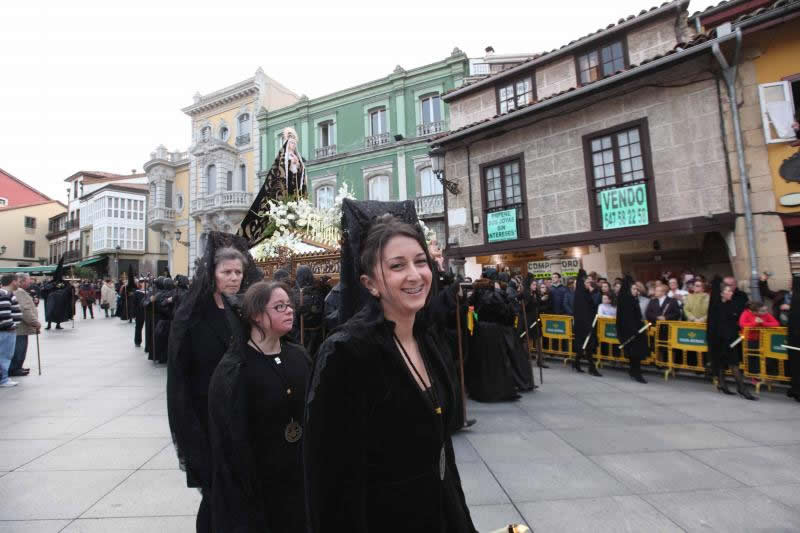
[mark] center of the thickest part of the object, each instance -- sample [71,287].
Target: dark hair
[6,279]
[255,301]
[556,274]
[755,305]
[384,228]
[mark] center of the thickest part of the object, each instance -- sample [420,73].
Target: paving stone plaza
[86,448]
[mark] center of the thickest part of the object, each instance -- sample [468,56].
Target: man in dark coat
[793,339]
[557,293]
[662,307]
[629,322]
[739,297]
[583,326]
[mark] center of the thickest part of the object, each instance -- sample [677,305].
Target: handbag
[104,305]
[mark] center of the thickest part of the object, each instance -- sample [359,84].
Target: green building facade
[373,136]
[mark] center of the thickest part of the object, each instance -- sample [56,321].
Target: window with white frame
[377,121]
[244,124]
[780,101]
[429,185]
[224,133]
[211,179]
[324,196]
[242,177]
[431,109]
[3,201]
[205,133]
[326,134]
[378,188]
[229,181]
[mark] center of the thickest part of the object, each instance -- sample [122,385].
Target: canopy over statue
[286,180]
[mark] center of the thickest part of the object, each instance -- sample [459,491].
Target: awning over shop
[43,269]
[91,260]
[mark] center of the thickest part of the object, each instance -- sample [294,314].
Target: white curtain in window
[379,188]
[324,197]
[428,183]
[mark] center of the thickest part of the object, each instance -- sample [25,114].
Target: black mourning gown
[257,475]
[373,445]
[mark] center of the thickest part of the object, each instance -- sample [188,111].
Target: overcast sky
[90,86]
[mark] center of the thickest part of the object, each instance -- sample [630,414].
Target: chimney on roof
[489,49]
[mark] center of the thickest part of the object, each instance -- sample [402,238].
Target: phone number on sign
[625,217]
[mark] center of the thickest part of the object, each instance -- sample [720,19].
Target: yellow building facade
[211,185]
[24,236]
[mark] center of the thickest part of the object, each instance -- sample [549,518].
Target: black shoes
[723,387]
[576,366]
[59,326]
[744,393]
[638,377]
[593,372]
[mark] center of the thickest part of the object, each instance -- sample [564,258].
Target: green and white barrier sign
[624,207]
[555,327]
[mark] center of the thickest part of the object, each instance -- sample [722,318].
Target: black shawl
[191,442]
[629,322]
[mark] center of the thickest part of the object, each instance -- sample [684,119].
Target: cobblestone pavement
[86,448]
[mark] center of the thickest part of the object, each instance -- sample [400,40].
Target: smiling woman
[377,450]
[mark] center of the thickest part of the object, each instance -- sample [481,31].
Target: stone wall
[555,77]
[651,39]
[690,176]
[472,108]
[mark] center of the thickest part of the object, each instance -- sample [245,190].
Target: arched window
[224,133]
[205,133]
[242,177]
[211,179]
[229,181]
[429,185]
[324,196]
[379,188]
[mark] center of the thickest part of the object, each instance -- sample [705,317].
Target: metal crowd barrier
[676,346]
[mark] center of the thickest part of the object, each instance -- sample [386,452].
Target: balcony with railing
[55,228]
[73,223]
[430,128]
[72,256]
[242,139]
[326,151]
[378,140]
[226,200]
[429,206]
[160,217]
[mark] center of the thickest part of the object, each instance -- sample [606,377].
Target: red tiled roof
[23,184]
[31,204]
[554,52]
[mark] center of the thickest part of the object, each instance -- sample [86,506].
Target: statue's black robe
[489,374]
[372,441]
[59,302]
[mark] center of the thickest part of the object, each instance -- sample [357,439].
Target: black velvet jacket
[372,442]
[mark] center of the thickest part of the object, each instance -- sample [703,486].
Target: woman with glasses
[256,402]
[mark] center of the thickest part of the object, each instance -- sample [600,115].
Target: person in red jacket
[757,316]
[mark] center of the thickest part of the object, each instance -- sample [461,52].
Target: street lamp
[437,165]
[178,237]
[116,261]
[3,249]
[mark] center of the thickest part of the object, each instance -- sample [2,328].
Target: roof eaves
[545,57]
[681,51]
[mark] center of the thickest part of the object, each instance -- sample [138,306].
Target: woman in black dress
[722,331]
[583,325]
[256,402]
[629,322]
[199,336]
[377,453]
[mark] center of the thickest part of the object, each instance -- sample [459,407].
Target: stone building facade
[553,155]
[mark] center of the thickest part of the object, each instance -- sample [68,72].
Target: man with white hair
[29,325]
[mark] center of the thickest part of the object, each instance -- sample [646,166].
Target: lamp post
[437,166]
[116,261]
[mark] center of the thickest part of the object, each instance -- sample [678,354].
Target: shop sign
[502,225]
[624,207]
[692,337]
[539,269]
[543,269]
[555,327]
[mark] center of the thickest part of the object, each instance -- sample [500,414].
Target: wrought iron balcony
[326,151]
[242,139]
[74,223]
[429,206]
[378,140]
[431,127]
[234,200]
[72,256]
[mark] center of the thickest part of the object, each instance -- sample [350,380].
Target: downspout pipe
[729,75]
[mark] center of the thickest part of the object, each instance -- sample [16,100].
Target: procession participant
[488,374]
[793,339]
[59,304]
[198,338]
[127,297]
[139,298]
[377,452]
[629,322]
[585,311]
[164,311]
[310,308]
[256,403]
[519,357]
[148,306]
[181,287]
[722,332]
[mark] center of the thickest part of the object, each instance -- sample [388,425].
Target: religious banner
[501,225]
[623,207]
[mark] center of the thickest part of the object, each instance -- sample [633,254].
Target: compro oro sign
[501,225]
[624,207]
